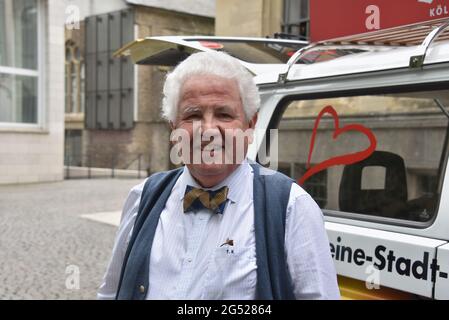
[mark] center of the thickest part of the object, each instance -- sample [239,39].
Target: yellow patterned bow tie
[196,199]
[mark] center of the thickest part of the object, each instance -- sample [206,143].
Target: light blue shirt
[189,259]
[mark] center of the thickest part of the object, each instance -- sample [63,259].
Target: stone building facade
[144,140]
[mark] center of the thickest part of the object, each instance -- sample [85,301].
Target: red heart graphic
[343,159]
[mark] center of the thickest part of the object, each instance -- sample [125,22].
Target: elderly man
[221,229]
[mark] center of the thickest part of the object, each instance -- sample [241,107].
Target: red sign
[338,18]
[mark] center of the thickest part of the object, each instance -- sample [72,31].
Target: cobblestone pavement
[44,240]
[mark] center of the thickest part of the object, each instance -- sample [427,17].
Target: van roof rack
[408,35]
[421,34]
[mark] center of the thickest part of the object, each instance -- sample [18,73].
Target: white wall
[205,8]
[92,7]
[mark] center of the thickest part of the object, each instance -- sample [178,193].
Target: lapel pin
[228,242]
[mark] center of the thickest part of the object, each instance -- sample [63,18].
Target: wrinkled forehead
[197,86]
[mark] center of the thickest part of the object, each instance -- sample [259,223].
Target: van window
[385,158]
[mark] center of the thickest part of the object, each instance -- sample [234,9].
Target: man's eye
[225,115]
[192,116]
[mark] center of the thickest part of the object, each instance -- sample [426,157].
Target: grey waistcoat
[271,194]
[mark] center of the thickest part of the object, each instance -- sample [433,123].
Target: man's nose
[210,129]
[209,123]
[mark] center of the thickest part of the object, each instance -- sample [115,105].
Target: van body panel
[383,258]
[383,81]
[442,282]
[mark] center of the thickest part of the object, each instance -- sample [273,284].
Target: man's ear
[253,121]
[172,127]
[252,126]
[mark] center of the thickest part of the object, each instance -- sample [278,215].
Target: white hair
[210,63]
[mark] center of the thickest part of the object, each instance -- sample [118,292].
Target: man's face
[213,105]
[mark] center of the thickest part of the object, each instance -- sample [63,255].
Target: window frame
[39,74]
[283,103]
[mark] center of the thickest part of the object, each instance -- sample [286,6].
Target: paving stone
[43,237]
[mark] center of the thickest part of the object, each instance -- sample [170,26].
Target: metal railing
[104,165]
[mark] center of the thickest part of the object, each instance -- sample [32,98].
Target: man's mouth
[210,147]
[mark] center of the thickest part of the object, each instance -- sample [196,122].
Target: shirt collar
[232,181]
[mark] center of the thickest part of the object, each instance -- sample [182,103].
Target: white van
[372,112]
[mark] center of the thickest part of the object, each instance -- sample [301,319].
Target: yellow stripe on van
[352,289]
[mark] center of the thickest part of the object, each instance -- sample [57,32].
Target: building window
[19,61]
[74,83]
[296,19]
